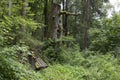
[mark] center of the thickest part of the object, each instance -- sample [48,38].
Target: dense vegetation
[85,47]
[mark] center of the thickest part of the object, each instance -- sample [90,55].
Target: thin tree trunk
[24,13]
[63,16]
[87,23]
[25,8]
[46,16]
[66,19]
[10,6]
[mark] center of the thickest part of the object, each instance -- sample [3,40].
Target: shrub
[107,37]
[12,69]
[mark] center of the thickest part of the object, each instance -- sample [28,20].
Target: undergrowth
[73,65]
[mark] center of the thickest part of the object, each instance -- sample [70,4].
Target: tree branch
[69,13]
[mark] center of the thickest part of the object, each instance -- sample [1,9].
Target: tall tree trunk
[54,21]
[87,23]
[65,17]
[24,12]
[46,16]
[10,6]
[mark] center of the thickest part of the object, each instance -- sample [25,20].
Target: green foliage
[76,65]
[103,67]
[11,68]
[53,51]
[20,33]
[86,65]
[95,67]
[66,39]
[64,72]
[106,38]
[12,30]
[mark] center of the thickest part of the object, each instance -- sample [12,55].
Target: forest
[59,40]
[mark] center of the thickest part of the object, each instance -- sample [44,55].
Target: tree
[65,17]
[106,38]
[89,11]
[10,6]
[53,23]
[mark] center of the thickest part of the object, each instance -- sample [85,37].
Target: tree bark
[54,21]
[65,17]
[66,20]
[10,6]
[46,16]
[24,12]
[87,23]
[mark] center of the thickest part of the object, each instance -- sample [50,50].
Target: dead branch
[69,13]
